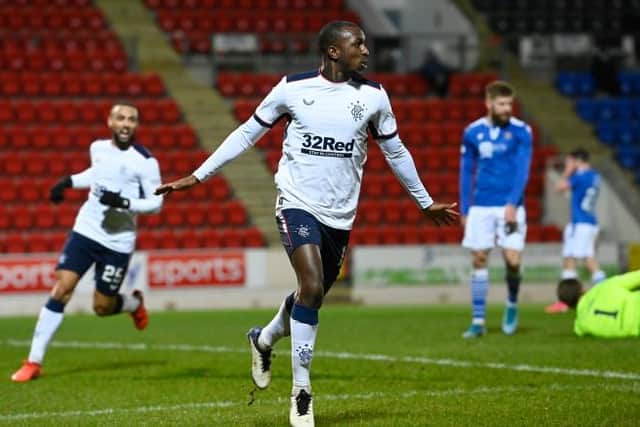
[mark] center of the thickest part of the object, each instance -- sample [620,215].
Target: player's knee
[480,260]
[61,293]
[513,267]
[101,309]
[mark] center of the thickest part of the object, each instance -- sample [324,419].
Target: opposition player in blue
[580,235]
[494,169]
[121,181]
[329,113]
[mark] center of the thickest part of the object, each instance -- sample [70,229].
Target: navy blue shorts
[80,252]
[298,227]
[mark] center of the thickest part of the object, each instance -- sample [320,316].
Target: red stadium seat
[9,191]
[235,213]
[392,212]
[22,217]
[146,240]
[15,243]
[188,239]
[410,235]
[30,191]
[38,243]
[173,215]
[5,218]
[215,215]
[195,215]
[534,233]
[411,214]
[253,238]
[390,235]
[66,214]
[370,212]
[232,238]
[211,239]
[220,189]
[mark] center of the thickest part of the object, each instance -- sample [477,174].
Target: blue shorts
[80,252]
[298,227]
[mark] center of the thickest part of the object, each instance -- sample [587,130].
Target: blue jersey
[494,167]
[585,187]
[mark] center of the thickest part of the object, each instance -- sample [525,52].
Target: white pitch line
[361,396]
[633,376]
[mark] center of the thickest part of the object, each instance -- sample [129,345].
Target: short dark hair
[499,88]
[580,154]
[332,32]
[125,103]
[569,291]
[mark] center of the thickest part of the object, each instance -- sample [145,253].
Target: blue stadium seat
[629,83]
[606,132]
[575,84]
[629,156]
[586,109]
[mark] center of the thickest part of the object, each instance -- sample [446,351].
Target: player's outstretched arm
[177,185]
[442,213]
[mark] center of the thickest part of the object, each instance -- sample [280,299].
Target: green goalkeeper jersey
[611,309]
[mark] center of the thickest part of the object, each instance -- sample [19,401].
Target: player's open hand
[178,185]
[442,213]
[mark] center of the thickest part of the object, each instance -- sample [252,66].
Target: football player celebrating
[104,232]
[329,112]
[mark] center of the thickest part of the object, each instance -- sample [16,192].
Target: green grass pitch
[393,366]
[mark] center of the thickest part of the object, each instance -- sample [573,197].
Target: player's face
[123,122]
[500,109]
[355,54]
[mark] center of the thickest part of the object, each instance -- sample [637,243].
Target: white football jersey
[133,173]
[325,144]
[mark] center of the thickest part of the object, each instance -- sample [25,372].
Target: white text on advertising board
[196,269]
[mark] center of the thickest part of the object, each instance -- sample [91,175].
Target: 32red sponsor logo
[197,269]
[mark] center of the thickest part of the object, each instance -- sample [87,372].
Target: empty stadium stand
[190,24]
[61,70]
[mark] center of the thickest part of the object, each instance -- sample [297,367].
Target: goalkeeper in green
[611,309]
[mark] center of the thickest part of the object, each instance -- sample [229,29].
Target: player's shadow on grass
[194,373]
[497,331]
[132,366]
[345,417]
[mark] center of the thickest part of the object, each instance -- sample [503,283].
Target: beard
[500,119]
[122,144]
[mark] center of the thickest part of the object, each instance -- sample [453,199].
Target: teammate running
[329,112]
[121,179]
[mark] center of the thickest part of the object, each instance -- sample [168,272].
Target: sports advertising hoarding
[176,269]
[451,264]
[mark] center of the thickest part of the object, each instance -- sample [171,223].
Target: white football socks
[48,323]
[303,338]
[129,303]
[276,329]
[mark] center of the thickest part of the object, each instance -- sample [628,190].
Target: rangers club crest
[357,111]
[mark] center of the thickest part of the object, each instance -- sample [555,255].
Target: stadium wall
[212,279]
